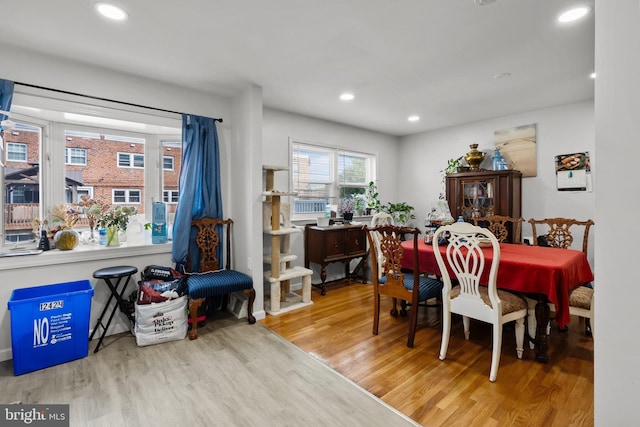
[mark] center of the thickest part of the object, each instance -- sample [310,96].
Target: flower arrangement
[92,209]
[347,204]
[60,217]
[117,217]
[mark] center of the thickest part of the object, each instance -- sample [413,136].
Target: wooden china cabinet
[485,193]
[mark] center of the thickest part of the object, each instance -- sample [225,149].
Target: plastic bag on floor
[161,322]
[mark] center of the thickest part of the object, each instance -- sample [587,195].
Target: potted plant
[347,206]
[401,212]
[360,203]
[373,203]
[115,220]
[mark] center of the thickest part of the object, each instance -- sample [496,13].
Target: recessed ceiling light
[414,118]
[483,2]
[502,76]
[112,11]
[347,96]
[573,14]
[592,75]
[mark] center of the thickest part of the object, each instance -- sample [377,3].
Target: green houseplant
[373,203]
[401,212]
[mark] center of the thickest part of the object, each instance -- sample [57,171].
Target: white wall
[560,130]
[59,267]
[245,163]
[617,112]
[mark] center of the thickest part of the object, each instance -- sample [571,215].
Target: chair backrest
[388,277]
[465,259]
[498,225]
[559,235]
[207,240]
[382,218]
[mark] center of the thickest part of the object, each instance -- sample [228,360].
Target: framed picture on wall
[573,171]
[518,147]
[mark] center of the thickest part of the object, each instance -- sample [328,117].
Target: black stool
[108,274]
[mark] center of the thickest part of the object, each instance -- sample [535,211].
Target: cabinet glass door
[477,198]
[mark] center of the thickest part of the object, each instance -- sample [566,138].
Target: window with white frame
[84,156]
[126,196]
[16,152]
[167,163]
[323,175]
[130,160]
[75,156]
[170,196]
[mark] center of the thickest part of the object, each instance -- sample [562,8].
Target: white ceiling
[433,58]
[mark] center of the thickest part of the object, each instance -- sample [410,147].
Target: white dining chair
[464,261]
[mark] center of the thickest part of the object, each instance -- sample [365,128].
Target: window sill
[82,253]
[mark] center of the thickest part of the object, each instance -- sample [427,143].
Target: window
[79,192]
[170,196]
[126,197]
[105,164]
[75,156]
[323,175]
[171,162]
[130,160]
[16,152]
[167,163]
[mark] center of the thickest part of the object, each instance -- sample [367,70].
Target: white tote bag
[161,322]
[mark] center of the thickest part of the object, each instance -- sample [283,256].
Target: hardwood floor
[336,329]
[233,375]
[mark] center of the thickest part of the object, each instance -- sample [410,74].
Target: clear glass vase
[113,238]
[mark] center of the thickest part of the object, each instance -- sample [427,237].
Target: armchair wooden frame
[560,236]
[391,280]
[497,224]
[216,281]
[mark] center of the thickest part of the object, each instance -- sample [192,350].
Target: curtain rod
[102,99]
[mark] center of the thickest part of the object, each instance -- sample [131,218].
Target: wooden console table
[334,243]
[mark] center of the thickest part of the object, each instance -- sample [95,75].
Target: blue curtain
[6,96]
[200,192]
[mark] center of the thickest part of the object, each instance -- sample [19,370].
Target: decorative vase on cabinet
[474,157]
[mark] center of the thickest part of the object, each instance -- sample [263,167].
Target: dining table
[543,274]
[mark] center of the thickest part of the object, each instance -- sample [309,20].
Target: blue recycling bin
[49,324]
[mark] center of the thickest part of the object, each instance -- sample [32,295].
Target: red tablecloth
[551,272]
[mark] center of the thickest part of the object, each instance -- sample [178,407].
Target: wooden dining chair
[389,278]
[207,278]
[503,227]
[560,235]
[476,296]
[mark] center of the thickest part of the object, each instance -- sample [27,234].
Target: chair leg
[394,310]
[194,305]
[495,354]
[532,324]
[251,294]
[466,323]
[519,337]
[376,313]
[446,331]
[413,322]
